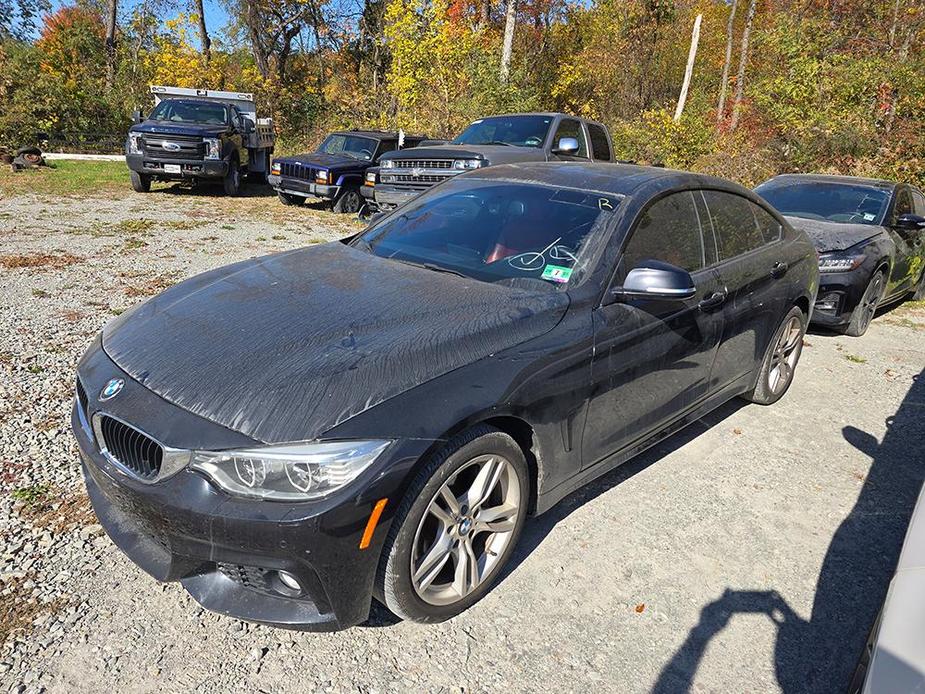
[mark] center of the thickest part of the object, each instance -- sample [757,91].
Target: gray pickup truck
[520,137]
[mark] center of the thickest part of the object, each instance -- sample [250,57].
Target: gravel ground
[748,553]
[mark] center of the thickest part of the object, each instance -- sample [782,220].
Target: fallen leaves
[640,608]
[42,261]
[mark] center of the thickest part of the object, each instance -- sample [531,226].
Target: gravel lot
[748,553]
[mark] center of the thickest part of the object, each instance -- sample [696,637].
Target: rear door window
[918,202]
[669,230]
[903,203]
[734,225]
[768,226]
[600,147]
[572,128]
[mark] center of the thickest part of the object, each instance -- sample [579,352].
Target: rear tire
[780,361]
[349,201]
[864,312]
[294,200]
[448,524]
[140,182]
[232,180]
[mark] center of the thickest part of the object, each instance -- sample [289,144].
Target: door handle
[715,299]
[779,269]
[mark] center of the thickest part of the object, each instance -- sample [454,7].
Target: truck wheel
[232,179]
[349,200]
[140,182]
[294,200]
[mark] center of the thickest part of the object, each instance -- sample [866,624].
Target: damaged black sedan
[292,435]
[870,235]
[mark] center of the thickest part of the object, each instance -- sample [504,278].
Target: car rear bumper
[188,168]
[304,189]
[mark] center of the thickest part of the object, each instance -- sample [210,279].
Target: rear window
[600,148]
[734,223]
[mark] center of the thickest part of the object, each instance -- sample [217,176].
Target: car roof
[544,114]
[832,178]
[619,179]
[378,134]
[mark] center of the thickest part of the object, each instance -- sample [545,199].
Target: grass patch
[31,495]
[66,177]
[40,261]
[855,359]
[52,508]
[18,608]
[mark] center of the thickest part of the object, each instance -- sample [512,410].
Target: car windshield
[362,148]
[522,131]
[176,111]
[843,203]
[496,231]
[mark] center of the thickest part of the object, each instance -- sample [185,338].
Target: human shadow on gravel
[821,653]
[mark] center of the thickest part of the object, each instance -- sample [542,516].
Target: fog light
[288,580]
[829,302]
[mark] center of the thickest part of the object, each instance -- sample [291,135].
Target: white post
[688,71]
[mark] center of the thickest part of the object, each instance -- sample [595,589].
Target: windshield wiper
[498,142]
[430,266]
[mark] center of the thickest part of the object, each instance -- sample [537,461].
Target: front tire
[349,201]
[864,312]
[140,182]
[780,361]
[456,527]
[232,180]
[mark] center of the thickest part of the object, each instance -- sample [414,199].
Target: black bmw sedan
[292,435]
[870,235]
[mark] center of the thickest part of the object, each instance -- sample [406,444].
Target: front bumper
[305,189]
[196,168]
[227,551]
[838,296]
[388,197]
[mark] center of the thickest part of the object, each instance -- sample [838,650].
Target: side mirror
[136,116]
[654,279]
[245,125]
[566,145]
[909,222]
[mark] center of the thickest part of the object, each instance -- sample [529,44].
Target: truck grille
[293,170]
[190,147]
[423,179]
[131,448]
[423,164]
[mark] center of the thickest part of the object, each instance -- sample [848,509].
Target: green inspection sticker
[556,273]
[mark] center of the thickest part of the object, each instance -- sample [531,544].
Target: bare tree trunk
[689,70]
[743,62]
[894,24]
[111,11]
[509,19]
[255,30]
[724,85]
[203,33]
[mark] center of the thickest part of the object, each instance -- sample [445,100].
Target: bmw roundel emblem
[111,389]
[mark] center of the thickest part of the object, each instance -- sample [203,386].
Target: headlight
[296,472]
[370,178]
[276,167]
[387,164]
[133,147]
[321,177]
[213,147]
[840,263]
[466,164]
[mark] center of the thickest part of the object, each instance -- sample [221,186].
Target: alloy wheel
[465,530]
[870,300]
[785,355]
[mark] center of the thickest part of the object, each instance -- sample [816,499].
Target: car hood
[833,236]
[189,129]
[283,348]
[327,161]
[496,154]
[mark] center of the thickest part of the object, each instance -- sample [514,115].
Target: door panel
[652,361]
[652,357]
[752,265]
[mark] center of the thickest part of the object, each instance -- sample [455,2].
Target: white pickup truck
[194,134]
